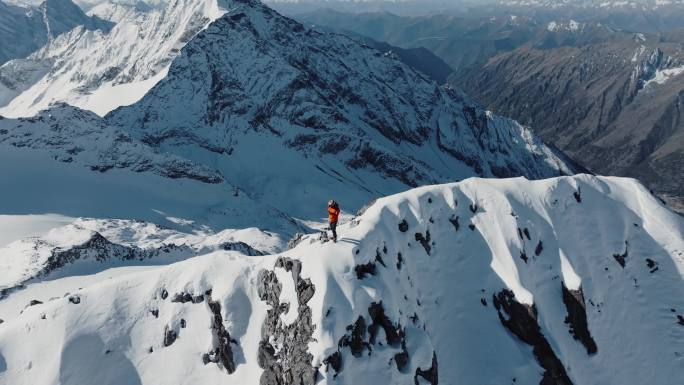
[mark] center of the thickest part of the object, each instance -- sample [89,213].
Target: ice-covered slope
[296,116]
[24,29]
[100,71]
[567,280]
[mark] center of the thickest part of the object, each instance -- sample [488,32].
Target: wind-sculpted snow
[471,311]
[283,108]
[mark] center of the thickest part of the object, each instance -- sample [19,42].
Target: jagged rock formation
[577,318]
[283,349]
[521,320]
[222,353]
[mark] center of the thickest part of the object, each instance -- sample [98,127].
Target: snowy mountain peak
[349,115]
[29,27]
[61,16]
[101,71]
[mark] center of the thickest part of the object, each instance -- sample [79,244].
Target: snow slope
[100,71]
[25,28]
[558,281]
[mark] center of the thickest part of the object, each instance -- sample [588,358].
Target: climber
[333,215]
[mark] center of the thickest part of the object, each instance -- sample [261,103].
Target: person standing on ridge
[333,216]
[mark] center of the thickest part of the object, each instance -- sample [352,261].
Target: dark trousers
[333,228]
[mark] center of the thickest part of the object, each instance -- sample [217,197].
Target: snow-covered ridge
[87,246]
[25,28]
[496,279]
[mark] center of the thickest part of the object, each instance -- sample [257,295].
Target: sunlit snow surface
[100,71]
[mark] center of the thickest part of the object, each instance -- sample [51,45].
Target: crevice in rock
[401,359]
[521,320]
[527,234]
[577,318]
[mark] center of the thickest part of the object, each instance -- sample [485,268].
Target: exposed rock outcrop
[283,350]
[521,320]
[577,318]
[222,353]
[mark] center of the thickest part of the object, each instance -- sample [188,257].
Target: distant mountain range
[617,104]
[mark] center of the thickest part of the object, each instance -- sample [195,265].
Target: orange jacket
[333,214]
